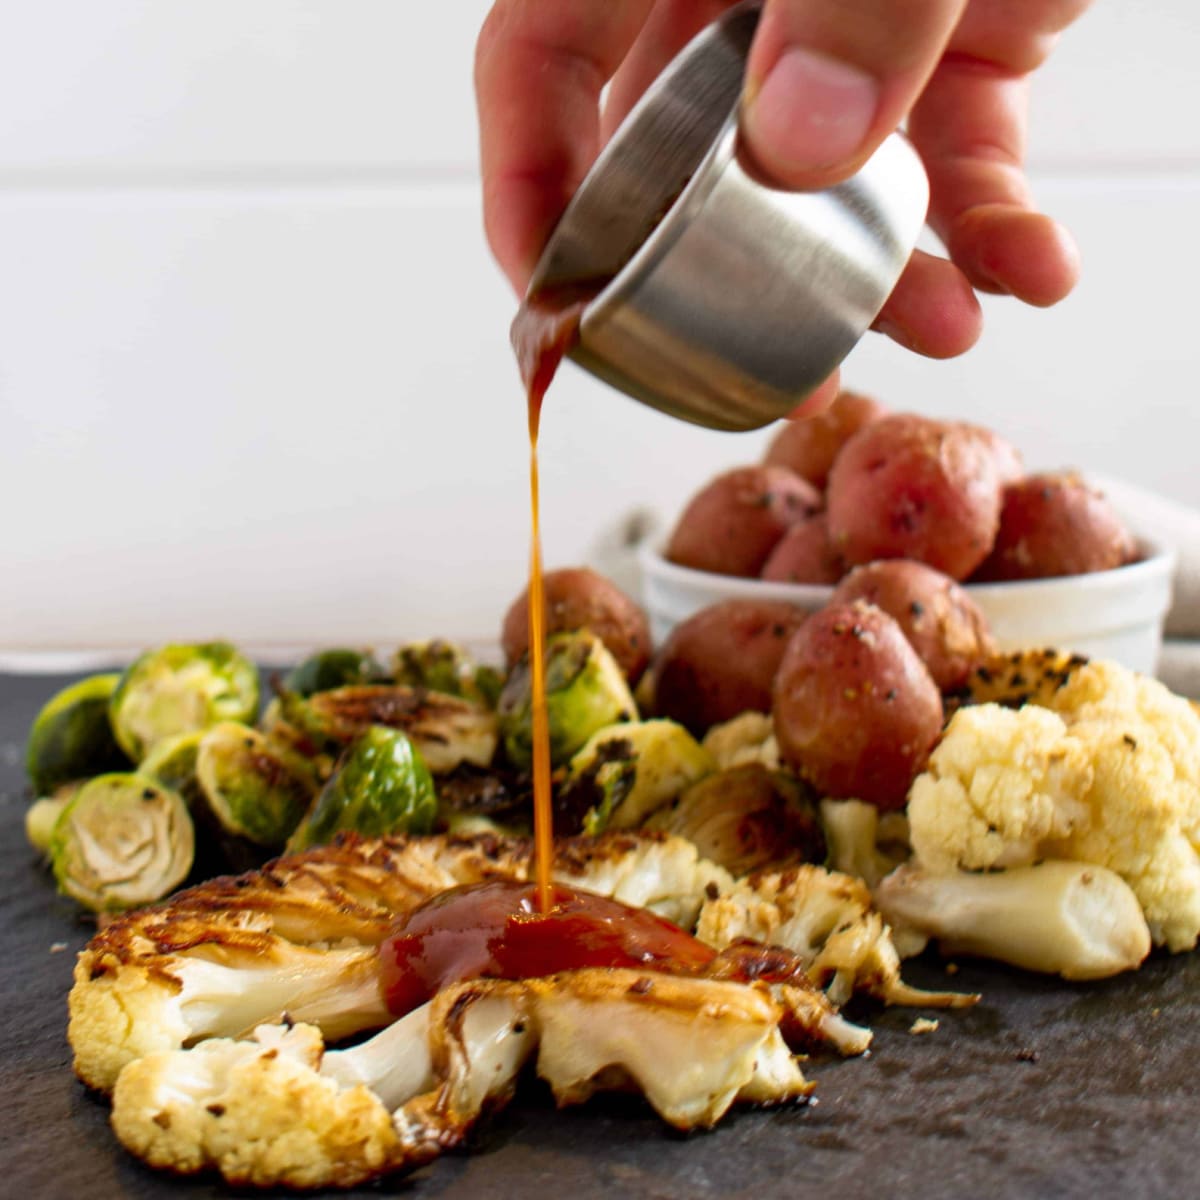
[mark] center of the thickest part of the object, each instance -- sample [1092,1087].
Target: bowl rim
[1158,560]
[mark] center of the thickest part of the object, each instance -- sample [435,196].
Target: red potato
[580,598]
[911,487]
[805,555]
[1055,525]
[730,526]
[721,661]
[809,445]
[941,622]
[1009,466]
[856,712]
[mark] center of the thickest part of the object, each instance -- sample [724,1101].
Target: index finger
[540,66]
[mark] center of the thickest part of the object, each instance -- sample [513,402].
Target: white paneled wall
[254,376]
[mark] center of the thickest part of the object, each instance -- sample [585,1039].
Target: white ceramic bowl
[1110,614]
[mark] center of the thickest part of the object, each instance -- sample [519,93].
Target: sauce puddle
[544,330]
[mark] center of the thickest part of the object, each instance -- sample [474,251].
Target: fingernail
[810,111]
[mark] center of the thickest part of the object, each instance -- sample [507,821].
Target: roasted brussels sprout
[172,763]
[42,815]
[122,841]
[328,669]
[381,785]
[746,818]
[256,789]
[71,737]
[447,730]
[444,667]
[498,799]
[585,691]
[627,771]
[178,689]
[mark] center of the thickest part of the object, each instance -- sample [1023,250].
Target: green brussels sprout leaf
[71,737]
[585,691]
[380,786]
[328,669]
[256,789]
[180,689]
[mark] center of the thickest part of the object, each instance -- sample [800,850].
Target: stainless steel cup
[728,300]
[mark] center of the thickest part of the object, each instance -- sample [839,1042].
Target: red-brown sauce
[497,930]
[545,328]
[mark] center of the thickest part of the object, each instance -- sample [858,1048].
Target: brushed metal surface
[728,300]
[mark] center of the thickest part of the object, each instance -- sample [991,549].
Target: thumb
[827,82]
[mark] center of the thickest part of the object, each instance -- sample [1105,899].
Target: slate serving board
[1044,1089]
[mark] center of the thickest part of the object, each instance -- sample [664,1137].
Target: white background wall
[254,376]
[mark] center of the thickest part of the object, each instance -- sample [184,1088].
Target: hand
[827,81]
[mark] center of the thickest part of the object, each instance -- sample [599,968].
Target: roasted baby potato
[805,555]
[731,526]
[856,711]
[580,598]
[721,661]
[809,445]
[910,487]
[1055,525]
[942,623]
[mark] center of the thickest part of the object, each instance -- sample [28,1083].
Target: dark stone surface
[1046,1089]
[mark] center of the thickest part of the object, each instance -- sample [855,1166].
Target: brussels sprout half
[172,763]
[256,789]
[585,691]
[179,689]
[381,785]
[625,772]
[71,737]
[328,669]
[122,841]
[445,667]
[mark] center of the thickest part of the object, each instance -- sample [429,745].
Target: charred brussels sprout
[746,818]
[585,691]
[71,737]
[122,841]
[447,730]
[381,785]
[255,789]
[328,669]
[179,689]
[627,771]
[444,667]
[172,763]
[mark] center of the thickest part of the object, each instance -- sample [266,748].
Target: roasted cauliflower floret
[278,1110]
[1109,774]
[299,936]
[827,920]
[258,1111]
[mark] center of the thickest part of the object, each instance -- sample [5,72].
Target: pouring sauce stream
[545,328]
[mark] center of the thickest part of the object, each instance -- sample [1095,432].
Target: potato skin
[941,622]
[721,661]
[805,555]
[1055,524]
[733,523]
[910,487]
[580,598]
[808,445]
[856,712]
[1009,465]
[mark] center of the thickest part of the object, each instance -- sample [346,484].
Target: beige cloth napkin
[1177,525]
